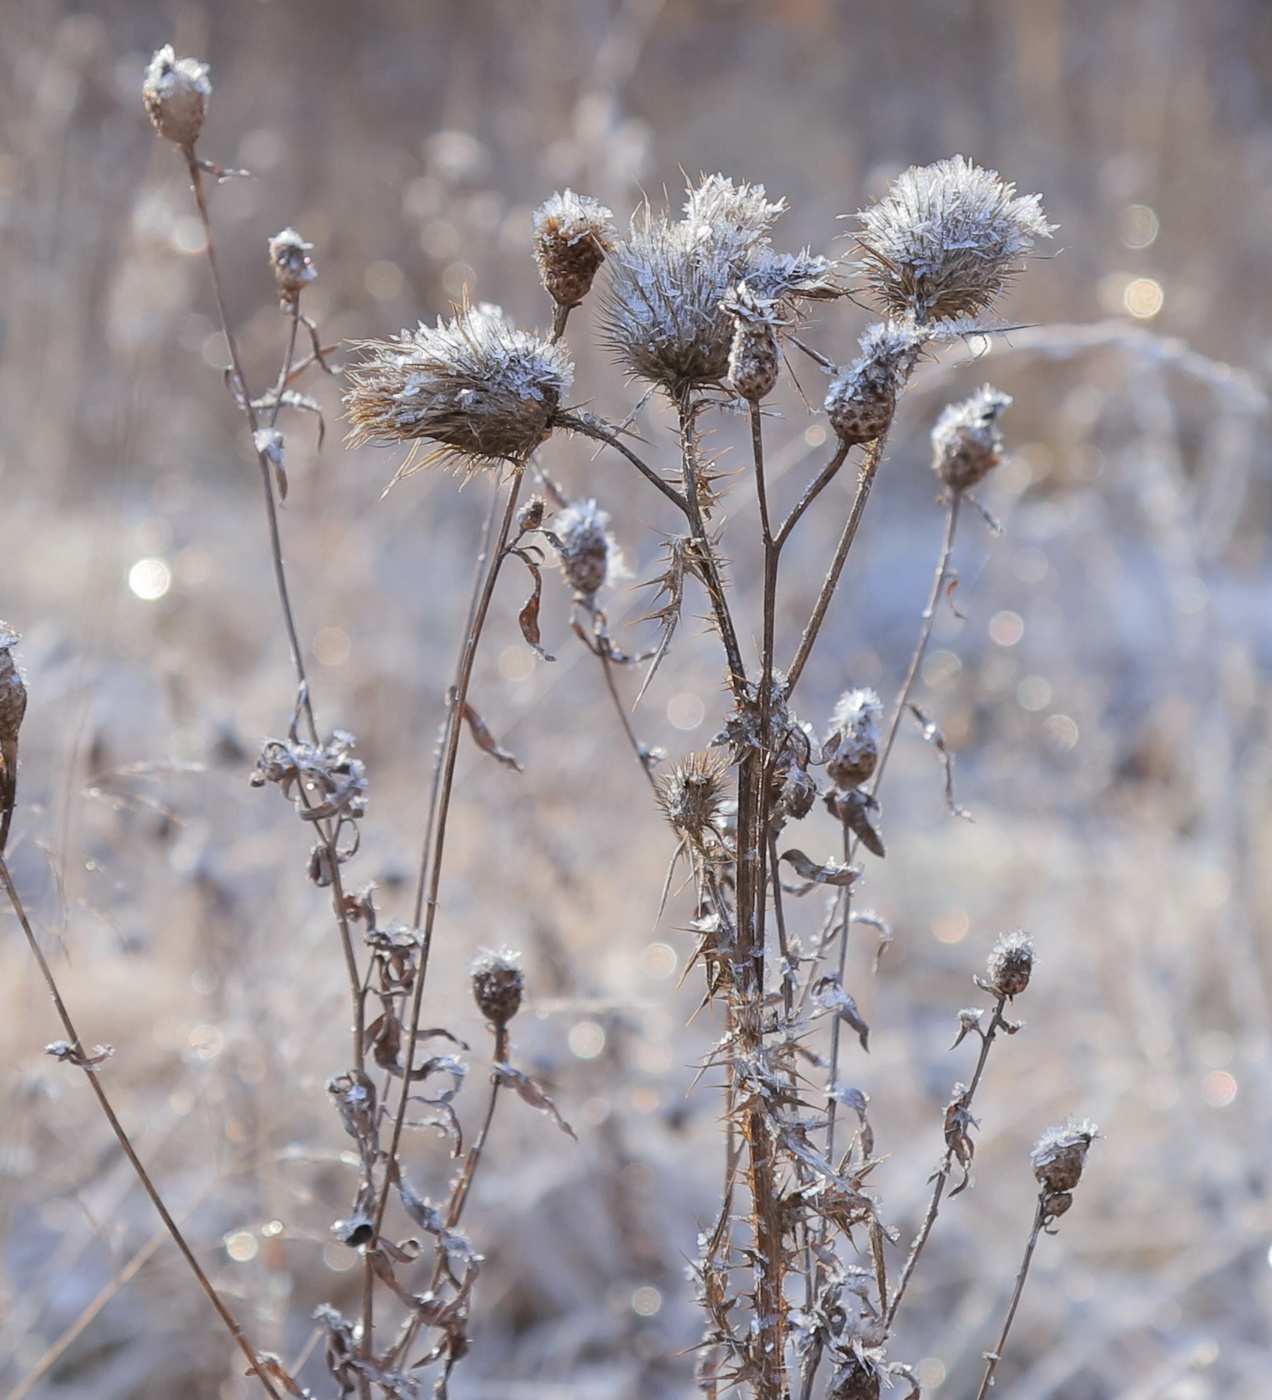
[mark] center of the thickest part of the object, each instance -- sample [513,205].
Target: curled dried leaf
[530,1092]
[486,741]
[832,873]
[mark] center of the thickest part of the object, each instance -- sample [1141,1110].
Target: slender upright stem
[992,1358]
[249,412]
[94,1083]
[641,752]
[811,492]
[589,426]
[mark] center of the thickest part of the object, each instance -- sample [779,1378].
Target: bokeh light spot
[1218,1088]
[149,579]
[586,1040]
[1006,628]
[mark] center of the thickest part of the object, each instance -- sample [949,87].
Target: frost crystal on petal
[945,240]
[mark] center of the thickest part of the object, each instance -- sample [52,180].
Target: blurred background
[1104,692]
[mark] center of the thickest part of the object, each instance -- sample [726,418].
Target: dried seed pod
[1010,964]
[966,442]
[588,551]
[862,398]
[854,735]
[753,355]
[475,385]
[572,234]
[1059,1155]
[945,240]
[692,792]
[176,91]
[13,699]
[292,266]
[530,516]
[498,985]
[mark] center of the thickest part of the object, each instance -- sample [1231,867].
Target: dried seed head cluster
[967,443]
[13,700]
[854,738]
[1010,964]
[176,91]
[572,234]
[692,794]
[753,353]
[498,985]
[292,266]
[662,312]
[862,398]
[945,240]
[1058,1159]
[589,553]
[475,385]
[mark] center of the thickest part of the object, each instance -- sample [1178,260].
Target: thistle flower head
[692,794]
[498,985]
[1010,964]
[663,310]
[1059,1155]
[854,735]
[291,264]
[863,397]
[967,443]
[176,91]
[572,234]
[476,386]
[946,239]
[589,553]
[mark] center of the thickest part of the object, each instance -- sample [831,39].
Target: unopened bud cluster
[176,91]
[572,234]
[586,547]
[1010,964]
[1058,1158]
[498,986]
[291,264]
[753,354]
[967,443]
[854,735]
[863,397]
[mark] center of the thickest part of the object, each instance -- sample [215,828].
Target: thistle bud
[498,984]
[572,234]
[753,355]
[292,266]
[13,699]
[1010,964]
[586,546]
[862,398]
[692,793]
[854,738]
[530,516]
[176,91]
[1060,1154]
[966,442]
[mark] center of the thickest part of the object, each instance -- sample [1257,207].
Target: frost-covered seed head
[1010,964]
[692,792]
[588,550]
[498,985]
[572,234]
[863,397]
[856,721]
[292,266]
[945,240]
[176,91]
[475,385]
[967,443]
[662,311]
[1060,1154]
[753,355]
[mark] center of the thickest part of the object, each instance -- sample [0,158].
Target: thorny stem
[992,1358]
[942,1176]
[591,427]
[869,469]
[94,1082]
[435,843]
[925,634]
[249,412]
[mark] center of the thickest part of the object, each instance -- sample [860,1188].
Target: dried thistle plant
[176,91]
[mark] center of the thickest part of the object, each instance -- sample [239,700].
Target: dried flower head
[292,266]
[753,354]
[572,234]
[862,398]
[498,985]
[1010,963]
[1059,1155]
[176,91]
[13,700]
[475,385]
[588,551]
[967,443]
[663,308]
[854,738]
[946,239]
[692,793]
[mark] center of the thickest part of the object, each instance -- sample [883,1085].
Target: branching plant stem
[125,1143]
